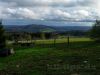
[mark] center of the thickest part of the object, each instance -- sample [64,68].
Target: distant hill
[43,28]
[28,28]
[72,28]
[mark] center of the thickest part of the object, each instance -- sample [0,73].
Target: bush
[95,31]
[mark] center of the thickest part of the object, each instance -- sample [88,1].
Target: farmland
[81,57]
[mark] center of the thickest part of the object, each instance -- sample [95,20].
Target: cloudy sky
[50,9]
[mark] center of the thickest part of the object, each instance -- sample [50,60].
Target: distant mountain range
[43,28]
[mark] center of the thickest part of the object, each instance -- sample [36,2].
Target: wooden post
[68,40]
[54,41]
[55,38]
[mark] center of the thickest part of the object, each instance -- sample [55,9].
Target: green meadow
[80,57]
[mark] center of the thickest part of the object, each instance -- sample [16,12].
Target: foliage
[2,37]
[95,31]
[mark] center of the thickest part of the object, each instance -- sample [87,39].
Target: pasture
[80,57]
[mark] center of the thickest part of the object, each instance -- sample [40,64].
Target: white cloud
[81,14]
[22,13]
[50,9]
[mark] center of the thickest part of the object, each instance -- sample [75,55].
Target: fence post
[68,40]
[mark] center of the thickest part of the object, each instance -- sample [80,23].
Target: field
[80,57]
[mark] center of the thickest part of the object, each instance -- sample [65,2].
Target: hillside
[72,28]
[28,28]
[43,28]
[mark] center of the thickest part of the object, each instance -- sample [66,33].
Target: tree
[2,36]
[95,31]
[3,50]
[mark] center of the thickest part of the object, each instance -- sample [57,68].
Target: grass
[81,56]
[62,40]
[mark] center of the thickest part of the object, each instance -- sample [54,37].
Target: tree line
[94,34]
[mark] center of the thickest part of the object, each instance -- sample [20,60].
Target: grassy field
[80,57]
[62,40]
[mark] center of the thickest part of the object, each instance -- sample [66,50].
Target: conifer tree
[2,36]
[95,31]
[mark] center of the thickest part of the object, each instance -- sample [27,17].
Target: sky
[53,10]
